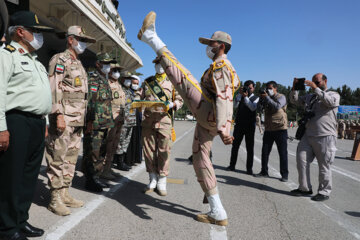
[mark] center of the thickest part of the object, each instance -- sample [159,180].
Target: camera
[300,84]
[307,116]
[246,89]
[263,91]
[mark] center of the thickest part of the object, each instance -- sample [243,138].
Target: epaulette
[64,57]
[10,48]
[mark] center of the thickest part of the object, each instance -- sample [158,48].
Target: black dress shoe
[230,168]
[31,231]
[92,186]
[100,183]
[283,179]
[319,197]
[261,174]
[14,236]
[123,166]
[298,192]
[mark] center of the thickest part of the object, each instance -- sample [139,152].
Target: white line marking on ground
[67,223]
[322,207]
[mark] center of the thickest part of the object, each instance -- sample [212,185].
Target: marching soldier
[211,102]
[156,127]
[69,85]
[347,130]
[25,99]
[129,121]
[118,106]
[352,132]
[99,120]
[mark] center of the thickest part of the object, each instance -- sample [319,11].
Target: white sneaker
[161,186]
[152,183]
[147,33]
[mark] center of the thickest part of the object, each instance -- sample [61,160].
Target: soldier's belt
[74,95]
[148,104]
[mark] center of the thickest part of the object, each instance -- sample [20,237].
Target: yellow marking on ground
[175,181]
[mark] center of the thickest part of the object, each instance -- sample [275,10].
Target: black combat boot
[121,165]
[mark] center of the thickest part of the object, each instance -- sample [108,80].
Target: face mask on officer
[80,47]
[135,87]
[210,53]
[159,69]
[127,82]
[105,68]
[37,42]
[270,92]
[115,75]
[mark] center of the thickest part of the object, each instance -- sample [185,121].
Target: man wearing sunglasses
[69,86]
[25,98]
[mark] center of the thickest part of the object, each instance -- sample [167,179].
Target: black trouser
[280,138]
[19,169]
[239,132]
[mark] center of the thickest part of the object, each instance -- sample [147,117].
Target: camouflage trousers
[62,150]
[203,109]
[124,140]
[156,148]
[94,152]
[112,141]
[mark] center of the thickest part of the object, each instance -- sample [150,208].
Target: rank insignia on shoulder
[93,88]
[59,68]
[10,48]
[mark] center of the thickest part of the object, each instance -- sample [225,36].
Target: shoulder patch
[93,88]
[59,68]
[10,48]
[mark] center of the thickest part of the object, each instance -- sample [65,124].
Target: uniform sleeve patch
[59,68]
[93,88]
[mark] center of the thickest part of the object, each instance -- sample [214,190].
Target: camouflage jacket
[130,118]
[99,109]
[69,86]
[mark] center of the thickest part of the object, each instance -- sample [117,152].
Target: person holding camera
[276,124]
[245,123]
[319,137]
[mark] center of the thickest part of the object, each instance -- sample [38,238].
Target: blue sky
[272,39]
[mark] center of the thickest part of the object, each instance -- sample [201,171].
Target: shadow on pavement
[353,214]
[136,201]
[241,182]
[186,160]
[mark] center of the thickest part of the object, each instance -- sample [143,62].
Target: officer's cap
[79,32]
[29,20]
[217,36]
[116,66]
[135,77]
[105,58]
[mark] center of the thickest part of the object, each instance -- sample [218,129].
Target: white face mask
[159,69]
[127,83]
[271,92]
[209,52]
[115,75]
[135,87]
[106,68]
[37,42]
[80,47]
[2,46]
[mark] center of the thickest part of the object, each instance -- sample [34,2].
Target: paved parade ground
[257,208]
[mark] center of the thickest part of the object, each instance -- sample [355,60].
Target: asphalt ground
[257,208]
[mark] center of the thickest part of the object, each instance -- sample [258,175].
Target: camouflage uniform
[69,85]
[347,130]
[352,132]
[99,112]
[156,127]
[211,102]
[129,122]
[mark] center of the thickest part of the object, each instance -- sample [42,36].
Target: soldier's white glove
[171,105]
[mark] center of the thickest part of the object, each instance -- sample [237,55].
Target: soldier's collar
[222,57]
[20,48]
[67,51]
[160,77]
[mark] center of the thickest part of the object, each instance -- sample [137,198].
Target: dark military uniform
[99,113]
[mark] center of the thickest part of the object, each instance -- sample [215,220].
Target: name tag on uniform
[59,68]
[24,63]
[78,82]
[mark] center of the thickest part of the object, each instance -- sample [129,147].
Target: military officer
[156,127]
[68,81]
[25,98]
[118,106]
[341,128]
[211,102]
[129,121]
[98,122]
